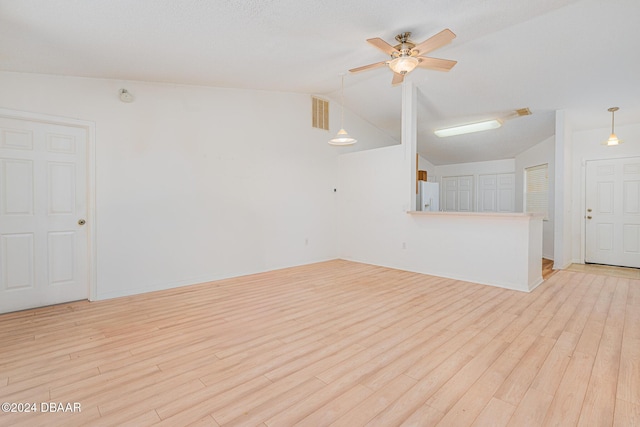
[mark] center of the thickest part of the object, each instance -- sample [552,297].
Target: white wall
[196,184]
[537,155]
[376,229]
[587,145]
[372,197]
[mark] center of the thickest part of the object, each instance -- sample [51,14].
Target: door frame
[89,127]
[583,200]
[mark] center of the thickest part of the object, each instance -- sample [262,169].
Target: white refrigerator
[428,196]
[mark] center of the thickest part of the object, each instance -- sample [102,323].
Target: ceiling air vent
[319,113]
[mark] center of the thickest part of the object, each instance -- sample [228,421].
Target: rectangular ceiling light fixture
[469,128]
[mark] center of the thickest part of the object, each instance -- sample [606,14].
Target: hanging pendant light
[613,139]
[342,138]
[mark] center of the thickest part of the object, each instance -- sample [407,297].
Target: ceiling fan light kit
[613,139]
[404,64]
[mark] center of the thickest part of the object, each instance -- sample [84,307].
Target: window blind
[537,190]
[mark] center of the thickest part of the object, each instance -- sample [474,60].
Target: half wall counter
[499,249]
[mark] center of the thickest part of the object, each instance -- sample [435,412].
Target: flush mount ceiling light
[468,128]
[480,126]
[342,138]
[613,139]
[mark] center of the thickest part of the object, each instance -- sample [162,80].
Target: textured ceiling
[581,56]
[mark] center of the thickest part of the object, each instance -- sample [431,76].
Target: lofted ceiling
[580,56]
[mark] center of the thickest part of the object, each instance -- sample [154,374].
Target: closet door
[457,193]
[506,190]
[487,193]
[465,193]
[450,193]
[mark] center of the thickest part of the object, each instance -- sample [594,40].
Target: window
[536,188]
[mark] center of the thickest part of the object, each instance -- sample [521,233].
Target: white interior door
[487,193]
[506,184]
[457,193]
[450,194]
[496,192]
[613,212]
[43,208]
[465,193]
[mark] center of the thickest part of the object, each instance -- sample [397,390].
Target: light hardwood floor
[334,343]
[608,270]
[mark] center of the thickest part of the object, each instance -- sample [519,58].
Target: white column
[409,137]
[562,250]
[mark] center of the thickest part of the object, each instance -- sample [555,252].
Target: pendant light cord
[342,102]
[613,112]
[342,138]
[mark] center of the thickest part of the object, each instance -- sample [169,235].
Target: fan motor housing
[405,47]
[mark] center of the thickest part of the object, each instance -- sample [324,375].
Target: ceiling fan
[407,55]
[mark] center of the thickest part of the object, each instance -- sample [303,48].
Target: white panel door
[613,212]
[487,193]
[506,189]
[43,206]
[465,193]
[450,194]
[457,193]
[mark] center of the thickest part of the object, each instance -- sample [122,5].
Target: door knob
[81,222]
[588,210]
[589,217]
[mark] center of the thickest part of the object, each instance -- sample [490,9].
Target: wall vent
[319,113]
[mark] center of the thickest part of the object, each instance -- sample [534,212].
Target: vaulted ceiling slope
[576,55]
